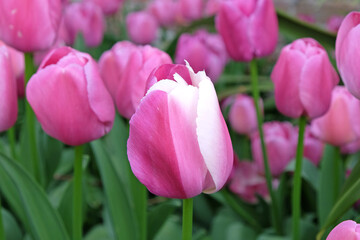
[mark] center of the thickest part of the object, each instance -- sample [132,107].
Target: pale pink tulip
[346,230]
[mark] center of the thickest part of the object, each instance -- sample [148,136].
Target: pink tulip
[339,125]
[304,78]
[348,230]
[69,98]
[191,9]
[351,147]
[203,51]
[84,18]
[334,22]
[242,114]
[142,27]
[212,7]
[280,140]
[108,7]
[249,28]
[29,25]
[125,69]
[165,11]
[179,145]
[307,18]
[346,51]
[8,91]
[313,147]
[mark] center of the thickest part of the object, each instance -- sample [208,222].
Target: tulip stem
[187,219]
[12,142]
[256,95]
[296,194]
[30,119]
[77,194]
[2,230]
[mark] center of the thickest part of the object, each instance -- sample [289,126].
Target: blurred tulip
[142,27]
[280,140]
[165,11]
[179,145]
[348,230]
[334,22]
[351,147]
[69,98]
[212,7]
[84,18]
[307,18]
[203,51]
[191,9]
[346,51]
[108,7]
[125,69]
[242,114]
[8,92]
[249,28]
[29,25]
[339,125]
[303,78]
[313,147]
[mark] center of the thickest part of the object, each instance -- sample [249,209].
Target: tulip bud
[203,51]
[303,78]
[334,22]
[125,69]
[348,230]
[346,51]
[29,25]
[142,27]
[280,140]
[179,145]
[69,98]
[339,125]
[108,7]
[313,147]
[8,92]
[249,28]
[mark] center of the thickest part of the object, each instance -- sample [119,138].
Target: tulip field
[179,119]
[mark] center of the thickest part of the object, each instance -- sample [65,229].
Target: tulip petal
[348,230]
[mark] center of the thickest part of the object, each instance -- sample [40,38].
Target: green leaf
[170,230]
[30,202]
[309,172]
[12,229]
[98,232]
[240,231]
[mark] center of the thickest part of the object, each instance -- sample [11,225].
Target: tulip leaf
[309,172]
[30,202]
[98,232]
[12,229]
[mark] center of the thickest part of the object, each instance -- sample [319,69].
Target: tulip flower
[351,147]
[313,147]
[334,22]
[165,11]
[142,27]
[249,28]
[109,7]
[191,9]
[125,70]
[69,98]
[85,18]
[203,51]
[346,51]
[29,25]
[242,114]
[339,126]
[179,145]
[8,91]
[303,78]
[280,140]
[348,230]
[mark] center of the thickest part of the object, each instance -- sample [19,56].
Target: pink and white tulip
[348,230]
[179,145]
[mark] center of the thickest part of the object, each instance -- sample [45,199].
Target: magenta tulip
[304,78]
[339,126]
[346,51]
[8,91]
[280,140]
[125,69]
[203,51]
[84,18]
[29,25]
[348,230]
[249,28]
[69,98]
[142,27]
[108,7]
[179,145]
[313,147]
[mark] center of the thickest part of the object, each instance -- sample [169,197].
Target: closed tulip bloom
[351,147]
[280,140]
[242,114]
[203,51]
[109,7]
[69,98]
[179,145]
[191,9]
[249,28]
[8,91]
[125,70]
[84,18]
[348,230]
[334,22]
[346,51]
[29,25]
[165,11]
[313,147]
[339,125]
[303,78]
[142,27]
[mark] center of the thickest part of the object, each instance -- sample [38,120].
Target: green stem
[30,119]
[187,219]
[296,194]
[337,172]
[2,230]
[77,194]
[256,96]
[12,141]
